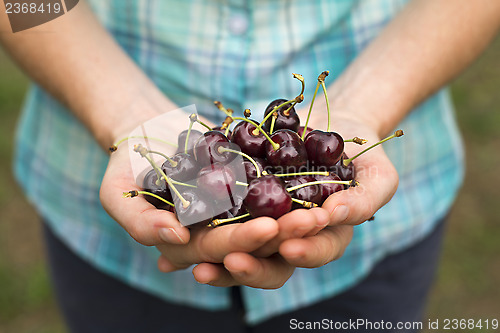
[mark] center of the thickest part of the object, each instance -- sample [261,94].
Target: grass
[466,286]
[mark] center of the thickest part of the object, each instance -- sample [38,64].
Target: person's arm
[428,44]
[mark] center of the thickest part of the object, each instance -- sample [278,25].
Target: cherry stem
[273,122]
[222,149]
[310,109]
[114,147]
[134,193]
[287,111]
[321,80]
[357,140]
[305,204]
[204,125]
[218,222]
[396,134]
[274,144]
[192,119]
[223,109]
[275,109]
[319,182]
[171,161]
[144,153]
[306,173]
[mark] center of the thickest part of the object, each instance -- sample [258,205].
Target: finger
[295,224]
[213,274]
[310,252]
[146,224]
[212,245]
[265,273]
[243,237]
[378,181]
[167,266]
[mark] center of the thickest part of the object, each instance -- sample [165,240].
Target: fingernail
[339,214]
[169,235]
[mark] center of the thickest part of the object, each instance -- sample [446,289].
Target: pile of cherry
[281,166]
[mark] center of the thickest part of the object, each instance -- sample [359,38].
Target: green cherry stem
[218,222]
[203,124]
[144,153]
[114,147]
[305,204]
[357,140]
[273,122]
[319,182]
[192,120]
[171,161]
[134,193]
[396,134]
[274,144]
[275,109]
[223,109]
[321,80]
[310,109]
[222,149]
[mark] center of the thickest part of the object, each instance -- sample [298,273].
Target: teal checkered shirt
[242,53]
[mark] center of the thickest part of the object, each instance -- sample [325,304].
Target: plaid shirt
[242,53]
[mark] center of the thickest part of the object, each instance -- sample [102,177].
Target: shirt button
[238,24]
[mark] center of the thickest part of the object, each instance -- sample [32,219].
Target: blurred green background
[467,283]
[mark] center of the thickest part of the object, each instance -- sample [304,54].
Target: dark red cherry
[181,140]
[223,131]
[249,139]
[200,210]
[291,154]
[149,184]
[289,120]
[328,189]
[344,172]
[309,193]
[185,167]
[237,210]
[324,149]
[217,180]
[301,130]
[267,197]
[251,172]
[205,149]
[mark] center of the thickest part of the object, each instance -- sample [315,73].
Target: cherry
[181,167]
[300,131]
[291,153]
[327,189]
[250,140]
[205,149]
[161,189]
[199,211]
[250,170]
[309,193]
[324,149]
[181,140]
[217,180]
[237,210]
[267,197]
[223,131]
[345,172]
[287,116]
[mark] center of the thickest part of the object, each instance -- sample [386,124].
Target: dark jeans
[93,302]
